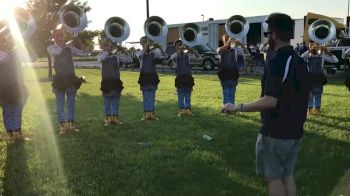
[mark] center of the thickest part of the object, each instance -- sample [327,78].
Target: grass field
[109,161]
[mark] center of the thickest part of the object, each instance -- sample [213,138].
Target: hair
[282,25]
[177,42]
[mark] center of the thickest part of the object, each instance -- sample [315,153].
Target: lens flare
[45,160]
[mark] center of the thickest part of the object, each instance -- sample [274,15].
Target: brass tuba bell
[155,28]
[191,35]
[72,18]
[237,26]
[322,31]
[117,29]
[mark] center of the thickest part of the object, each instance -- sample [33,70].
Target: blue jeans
[229,92]
[111,105]
[12,116]
[149,97]
[184,99]
[315,98]
[60,109]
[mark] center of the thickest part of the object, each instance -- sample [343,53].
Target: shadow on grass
[17,180]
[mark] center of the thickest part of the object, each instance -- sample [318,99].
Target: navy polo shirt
[286,121]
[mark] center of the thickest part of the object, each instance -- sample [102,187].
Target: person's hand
[229,108]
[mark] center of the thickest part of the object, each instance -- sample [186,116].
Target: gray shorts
[275,158]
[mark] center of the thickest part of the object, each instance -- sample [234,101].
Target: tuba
[191,34]
[237,26]
[322,31]
[72,18]
[155,28]
[117,29]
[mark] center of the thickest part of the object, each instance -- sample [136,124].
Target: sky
[182,11]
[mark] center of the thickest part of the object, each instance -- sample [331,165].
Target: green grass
[109,161]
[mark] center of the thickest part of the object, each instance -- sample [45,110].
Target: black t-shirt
[286,121]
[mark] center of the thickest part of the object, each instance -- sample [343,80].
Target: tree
[87,38]
[45,13]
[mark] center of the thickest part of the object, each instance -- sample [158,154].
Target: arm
[264,103]
[124,59]
[77,52]
[305,55]
[4,57]
[329,57]
[223,48]
[174,59]
[159,53]
[102,56]
[54,50]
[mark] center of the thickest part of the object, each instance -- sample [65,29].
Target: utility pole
[147,7]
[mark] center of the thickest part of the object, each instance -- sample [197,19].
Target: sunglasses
[267,33]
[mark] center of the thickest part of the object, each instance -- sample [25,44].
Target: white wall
[298,32]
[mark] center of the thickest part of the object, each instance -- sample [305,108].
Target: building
[214,29]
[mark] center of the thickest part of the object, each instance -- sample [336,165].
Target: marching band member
[315,62]
[232,58]
[65,82]
[184,81]
[111,85]
[149,79]
[13,92]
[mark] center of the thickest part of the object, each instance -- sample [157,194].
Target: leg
[226,93]
[18,109]
[318,97]
[276,188]
[71,111]
[115,110]
[60,97]
[152,100]
[8,117]
[115,106]
[188,99]
[107,105]
[289,184]
[145,100]
[180,97]
[71,106]
[311,101]
[233,93]
[107,110]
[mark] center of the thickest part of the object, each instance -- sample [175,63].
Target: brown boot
[145,116]
[72,127]
[180,113]
[107,121]
[18,135]
[63,128]
[10,138]
[189,112]
[309,111]
[317,111]
[153,116]
[116,120]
